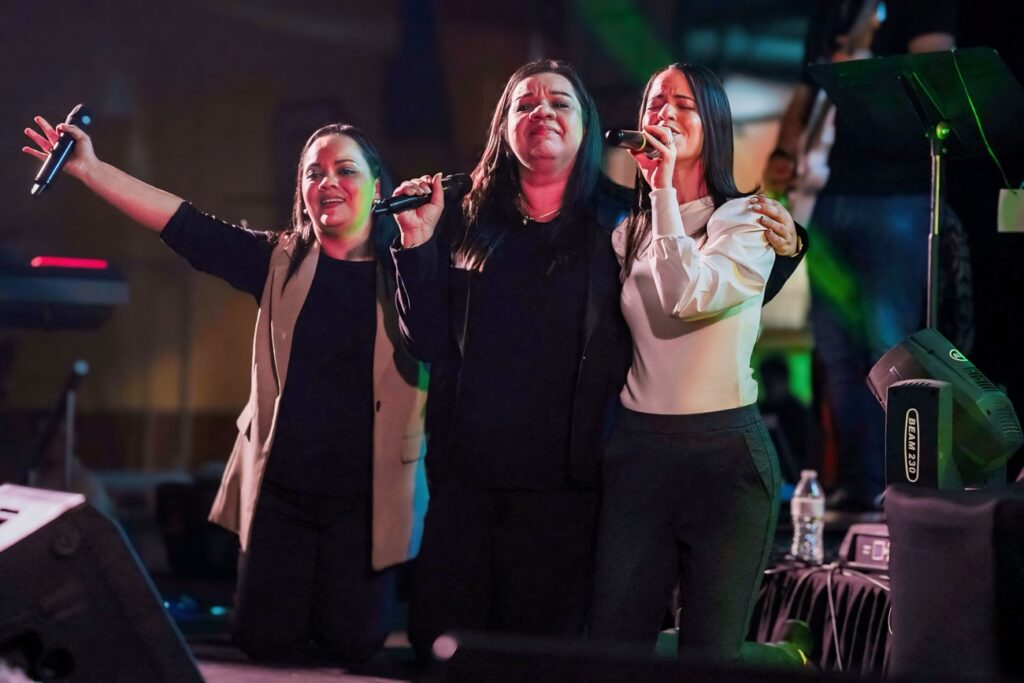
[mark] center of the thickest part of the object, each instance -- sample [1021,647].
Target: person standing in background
[870,225]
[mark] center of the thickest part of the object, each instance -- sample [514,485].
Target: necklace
[521,206]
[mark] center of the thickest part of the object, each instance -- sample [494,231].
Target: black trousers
[508,561]
[688,499]
[306,581]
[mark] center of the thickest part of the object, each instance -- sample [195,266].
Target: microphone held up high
[80,117]
[456,183]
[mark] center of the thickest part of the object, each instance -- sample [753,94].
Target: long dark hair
[496,176]
[716,155]
[383,229]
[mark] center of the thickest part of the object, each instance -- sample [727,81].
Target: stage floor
[200,608]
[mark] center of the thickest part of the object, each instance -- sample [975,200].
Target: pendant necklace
[521,206]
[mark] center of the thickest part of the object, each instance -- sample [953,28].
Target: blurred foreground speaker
[75,602]
[473,657]
[957,577]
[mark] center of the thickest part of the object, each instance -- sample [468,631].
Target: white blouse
[693,305]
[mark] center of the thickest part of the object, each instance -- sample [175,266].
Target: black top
[863,161]
[323,444]
[512,430]
[436,301]
[441,307]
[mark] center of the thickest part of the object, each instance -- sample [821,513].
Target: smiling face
[338,187]
[544,125]
[670,103]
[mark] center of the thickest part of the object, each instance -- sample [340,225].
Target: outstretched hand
[81,156]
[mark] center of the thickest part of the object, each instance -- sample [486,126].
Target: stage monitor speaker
[981,432]
[75,602]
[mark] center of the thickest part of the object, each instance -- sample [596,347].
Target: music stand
[898,98]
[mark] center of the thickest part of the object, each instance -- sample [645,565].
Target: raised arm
[240,257]
[148,206]
[422,261]
[765,218]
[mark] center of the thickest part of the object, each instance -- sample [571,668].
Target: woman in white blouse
[691,480]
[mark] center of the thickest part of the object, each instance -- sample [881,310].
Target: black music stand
[899,98]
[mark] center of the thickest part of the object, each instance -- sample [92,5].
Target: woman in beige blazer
[324,485]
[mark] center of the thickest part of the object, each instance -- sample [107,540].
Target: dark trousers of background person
[869,274]
[688,499]
[516,562]
[306,580]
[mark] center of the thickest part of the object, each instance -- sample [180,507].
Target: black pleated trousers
[689,500]
[514,562]
[306,590]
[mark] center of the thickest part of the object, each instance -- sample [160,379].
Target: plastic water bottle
[808,509]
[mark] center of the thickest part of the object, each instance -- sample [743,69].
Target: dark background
[212,101]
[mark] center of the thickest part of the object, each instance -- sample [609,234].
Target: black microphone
[80,117]
[633,140]
[457,183]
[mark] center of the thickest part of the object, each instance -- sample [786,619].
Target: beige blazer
[400,393]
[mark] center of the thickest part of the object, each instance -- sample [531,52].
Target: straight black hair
[496,177]
[716,155]
[383,229]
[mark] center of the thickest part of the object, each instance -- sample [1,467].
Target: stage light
[985,428]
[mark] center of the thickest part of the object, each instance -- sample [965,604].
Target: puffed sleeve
[731,267]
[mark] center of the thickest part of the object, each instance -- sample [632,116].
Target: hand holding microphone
[415,195]
[654,150]
[56,147]
[417,205]
[632,140]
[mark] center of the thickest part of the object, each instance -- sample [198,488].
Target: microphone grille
[457,183]
[613,136]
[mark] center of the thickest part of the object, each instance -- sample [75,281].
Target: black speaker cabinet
[75,602]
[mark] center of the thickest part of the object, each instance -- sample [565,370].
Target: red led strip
[68,262]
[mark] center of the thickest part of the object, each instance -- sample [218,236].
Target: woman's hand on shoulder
[658,172]
[417,225]
[46,138]
[780,228]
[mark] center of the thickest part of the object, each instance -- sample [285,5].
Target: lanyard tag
[1011,211]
